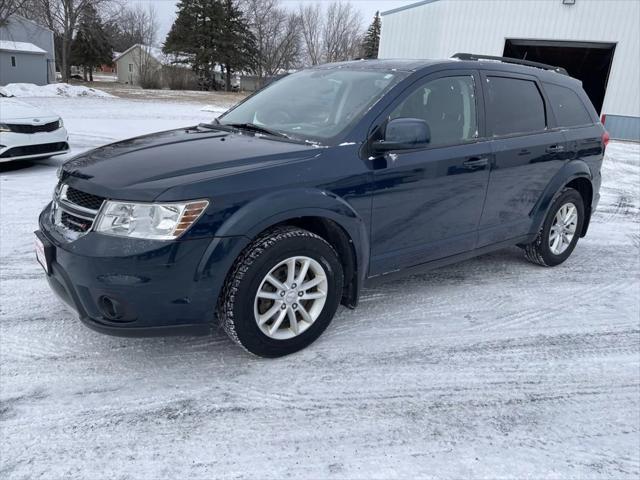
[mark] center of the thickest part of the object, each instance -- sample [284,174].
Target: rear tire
[248,297]
[560,231]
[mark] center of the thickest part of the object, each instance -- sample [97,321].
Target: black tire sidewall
[248,332]
[569,195]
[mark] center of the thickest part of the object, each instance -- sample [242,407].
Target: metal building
[27,53]
[596,41]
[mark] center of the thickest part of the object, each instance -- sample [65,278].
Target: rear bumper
[130,287]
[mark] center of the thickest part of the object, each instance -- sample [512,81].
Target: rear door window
[567,106]
[514,106]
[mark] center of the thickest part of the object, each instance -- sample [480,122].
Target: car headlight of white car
[4,128]
[60,123]
[152,221]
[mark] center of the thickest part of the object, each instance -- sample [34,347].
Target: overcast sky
[166,9]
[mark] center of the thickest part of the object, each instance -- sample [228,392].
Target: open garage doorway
[589,62]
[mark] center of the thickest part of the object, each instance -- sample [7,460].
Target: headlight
[60,123]
[152,221]
[4,128]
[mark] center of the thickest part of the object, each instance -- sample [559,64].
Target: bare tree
[61,16]
[277,36]
[342,32]
[8,8]
[311,22]
[332,34]
[135,24]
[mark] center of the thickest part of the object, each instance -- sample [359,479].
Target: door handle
[555,148]
[475,163]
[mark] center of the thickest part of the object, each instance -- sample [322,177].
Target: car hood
[142,168]
[12,109]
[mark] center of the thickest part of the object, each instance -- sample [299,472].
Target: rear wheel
[560,231]
[282,292]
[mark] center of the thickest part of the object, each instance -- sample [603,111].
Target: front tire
[281,293]
[560,231]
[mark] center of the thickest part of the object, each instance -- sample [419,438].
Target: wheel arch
[585,188]
[575,174]
[320,212]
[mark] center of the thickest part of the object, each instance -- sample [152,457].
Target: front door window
[448,105]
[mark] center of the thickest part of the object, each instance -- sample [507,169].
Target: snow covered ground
[490,368]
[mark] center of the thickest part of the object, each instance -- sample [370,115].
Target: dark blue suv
[270,217]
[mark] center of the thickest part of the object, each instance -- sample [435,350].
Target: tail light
[603,118]
[605,139]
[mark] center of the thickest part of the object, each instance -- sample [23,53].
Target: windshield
[314,105]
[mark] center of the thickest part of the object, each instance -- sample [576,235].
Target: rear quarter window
[514,106]
[567,106]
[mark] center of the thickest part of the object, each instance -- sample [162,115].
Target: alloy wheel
[563,228]
[290,298]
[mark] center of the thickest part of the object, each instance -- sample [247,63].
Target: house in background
[110,67]
[27,53]
[596,41]
[149,67]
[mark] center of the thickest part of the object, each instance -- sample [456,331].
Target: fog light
[110,308]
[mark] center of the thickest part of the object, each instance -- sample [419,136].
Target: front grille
[75,210]
[74,223]
[85,200]
[21,128]
[44,149]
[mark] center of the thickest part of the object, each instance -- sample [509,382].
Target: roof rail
[517,61]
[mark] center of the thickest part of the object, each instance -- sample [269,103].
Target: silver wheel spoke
[312,283]
[278,322]
[293,322]
[265,317]
[269,295]
[291,271]
[274,281]
[304,314]
[573,219]
[303,271]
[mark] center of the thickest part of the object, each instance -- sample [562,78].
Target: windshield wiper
[217,126]
[257,128]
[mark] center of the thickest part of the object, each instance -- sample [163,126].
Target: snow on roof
[20,47]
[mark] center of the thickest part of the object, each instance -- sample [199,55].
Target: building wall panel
[442,28]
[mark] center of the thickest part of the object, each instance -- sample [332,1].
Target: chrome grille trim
[64,211]
[64,200]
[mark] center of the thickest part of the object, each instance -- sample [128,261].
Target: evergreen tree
[91,47]
[237,44]
[211,33]
[371,41]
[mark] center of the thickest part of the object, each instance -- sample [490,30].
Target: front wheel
[560,231]
[282,292]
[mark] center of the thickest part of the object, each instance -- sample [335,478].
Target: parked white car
[27,132]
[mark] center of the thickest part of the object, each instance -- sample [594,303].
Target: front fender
[278,207]
[570,171]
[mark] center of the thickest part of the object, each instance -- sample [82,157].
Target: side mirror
[404,134]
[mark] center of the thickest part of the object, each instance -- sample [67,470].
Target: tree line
[258,37]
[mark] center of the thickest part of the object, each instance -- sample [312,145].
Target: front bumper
[22,146]
[132,287]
